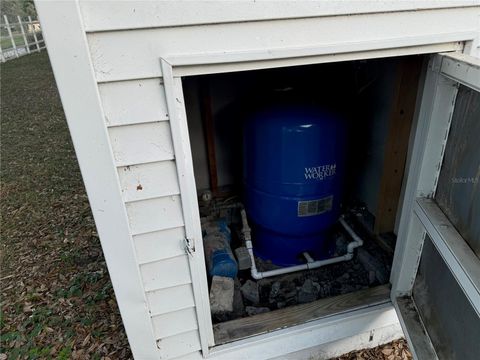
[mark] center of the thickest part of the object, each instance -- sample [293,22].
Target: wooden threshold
[263,323]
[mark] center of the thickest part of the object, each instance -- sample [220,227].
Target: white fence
[19,37]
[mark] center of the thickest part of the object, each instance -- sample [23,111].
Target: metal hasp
[293,167]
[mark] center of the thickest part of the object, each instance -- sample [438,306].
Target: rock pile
[247,297]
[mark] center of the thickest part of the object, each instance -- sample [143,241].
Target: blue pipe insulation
[218,254]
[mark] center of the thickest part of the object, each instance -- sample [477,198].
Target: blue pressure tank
[293,167]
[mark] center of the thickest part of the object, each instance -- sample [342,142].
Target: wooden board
[396,147]
[263,323]
[209,126]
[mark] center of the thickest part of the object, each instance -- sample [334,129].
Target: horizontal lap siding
[155,214]
[170,299]
[127,68]
[177,346]
[159,245]
[141,143]
[117,55]
[146,181]
[174,323]
[166,273]
[99,15]
[138,125]
[146,102]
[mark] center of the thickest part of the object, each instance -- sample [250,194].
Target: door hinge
[189,246]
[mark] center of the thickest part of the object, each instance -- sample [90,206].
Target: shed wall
[136,117]
[125,65]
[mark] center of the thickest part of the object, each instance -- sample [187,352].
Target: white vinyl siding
[126,41]
[159,245]
[100,16]
[141,182]
[137,121]
[174,323]
[165,273]
[118,55]
[180,345]
[155,214]
[141,143]
[146,102]
[170,299]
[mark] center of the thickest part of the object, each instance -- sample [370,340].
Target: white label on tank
[315,207]
[320,172]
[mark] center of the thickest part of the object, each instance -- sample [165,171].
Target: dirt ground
[57,301]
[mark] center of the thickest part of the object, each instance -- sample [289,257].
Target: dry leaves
[57,299]
[396,350]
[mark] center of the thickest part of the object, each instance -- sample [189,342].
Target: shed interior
[377,98]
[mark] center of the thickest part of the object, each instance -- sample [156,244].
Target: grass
[57,299]
[6,43]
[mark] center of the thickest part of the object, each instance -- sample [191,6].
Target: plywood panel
[174,323]
[141,143]
[179,345]
[166,273]
[159,245]
[155,214]
[122,55]
[170,299]
[139,182]
[132,102]
[100,16]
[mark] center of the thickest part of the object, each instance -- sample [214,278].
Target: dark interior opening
[377,100]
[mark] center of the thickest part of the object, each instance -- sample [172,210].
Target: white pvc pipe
[308,257]
[257,275]
[357,241]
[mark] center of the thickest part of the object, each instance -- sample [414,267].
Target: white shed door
[437,290]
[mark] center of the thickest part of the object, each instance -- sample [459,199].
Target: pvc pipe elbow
[256,275]
[353,245]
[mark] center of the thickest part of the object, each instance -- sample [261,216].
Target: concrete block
[243,258]
[308,292]
[250,292]
[370,263]
[221,295]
